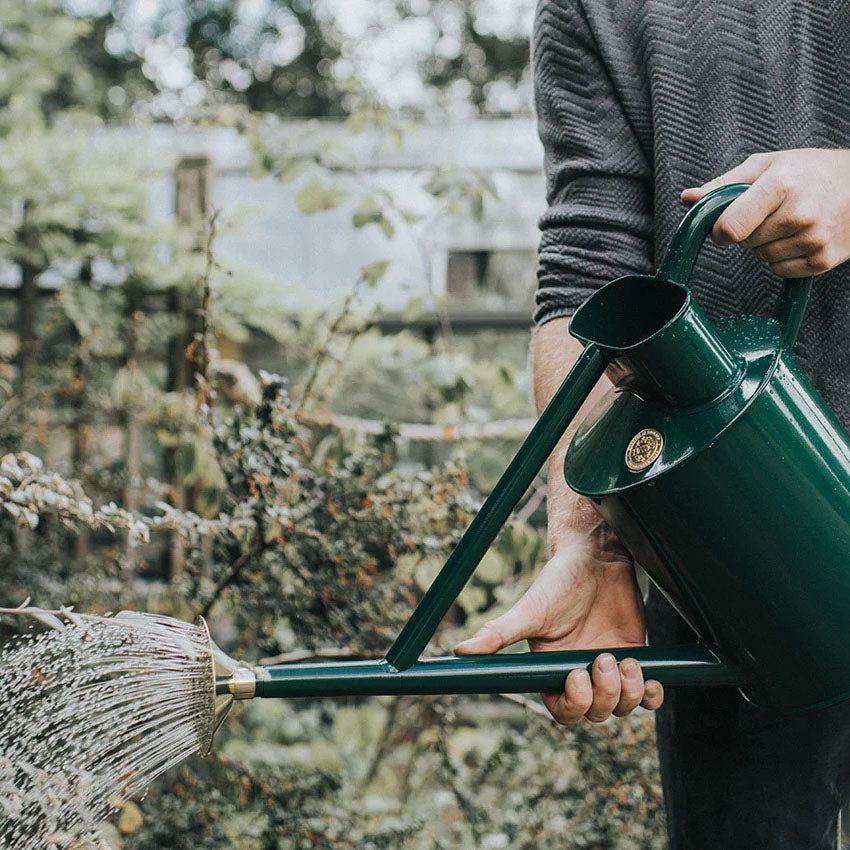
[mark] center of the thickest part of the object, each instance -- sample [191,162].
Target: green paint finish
[594,464]
[751,542]
[684,247]
[743,520]
[661,343]
[528,672]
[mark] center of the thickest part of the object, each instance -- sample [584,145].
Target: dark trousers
[737,777]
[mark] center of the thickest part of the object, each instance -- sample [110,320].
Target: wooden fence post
[192,204]
[27,238]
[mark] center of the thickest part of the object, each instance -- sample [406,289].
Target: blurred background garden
[266,277]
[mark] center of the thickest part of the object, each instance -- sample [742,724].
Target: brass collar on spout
[242,683]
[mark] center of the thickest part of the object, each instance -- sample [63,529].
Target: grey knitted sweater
[638,99]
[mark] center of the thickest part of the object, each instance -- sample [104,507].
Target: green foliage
[369,211]
[36,39]
[315,197]
[482,61]
[177,482]
[224,803]
[54,62]
[373,272]
[26,491]
[462,191]
[315,528]
[239,57]
[411,775]
[287,57]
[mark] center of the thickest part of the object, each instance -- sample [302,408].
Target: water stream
[90,715]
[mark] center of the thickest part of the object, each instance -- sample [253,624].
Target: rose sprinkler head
[94,709]
[229,681]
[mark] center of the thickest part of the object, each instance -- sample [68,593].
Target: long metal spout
[526,672]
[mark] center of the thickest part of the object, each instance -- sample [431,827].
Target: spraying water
[90,714]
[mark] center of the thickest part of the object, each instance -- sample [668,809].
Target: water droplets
[91,714]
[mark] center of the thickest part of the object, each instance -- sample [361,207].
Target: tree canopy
[294,58]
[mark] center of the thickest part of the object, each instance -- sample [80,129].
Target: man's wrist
[570,517]
[577,522]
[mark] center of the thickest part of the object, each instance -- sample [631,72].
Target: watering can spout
[712,432]
[661,343]
[521,672]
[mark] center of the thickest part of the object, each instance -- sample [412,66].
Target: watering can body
[720,469]
[730,485]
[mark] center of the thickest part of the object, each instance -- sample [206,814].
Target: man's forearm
[555,352]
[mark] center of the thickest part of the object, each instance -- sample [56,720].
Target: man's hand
[585,597]
[795,216]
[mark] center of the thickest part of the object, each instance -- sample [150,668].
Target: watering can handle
[685,245]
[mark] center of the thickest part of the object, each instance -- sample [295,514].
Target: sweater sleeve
[598,224]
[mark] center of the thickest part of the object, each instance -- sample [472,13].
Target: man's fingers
[514,625]
[776,226]
[555,705]
[816,263]
[631,687]
[613,690]
[653,695]
[746,213]
[570,706]
[606,687]
[747,172]
[780,250]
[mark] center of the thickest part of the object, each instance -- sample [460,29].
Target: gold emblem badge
[643,449]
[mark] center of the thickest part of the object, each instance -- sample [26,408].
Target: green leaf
[387,226]
[360,120]
[426,571]
[472,599]
[373,272]
[289,169]
[166,438]
[368,212]
[506,373]
[493,568]
[476,205]
[367,118]
[397,135]
[316,197]
[210,501]
[184,459]
[413,309]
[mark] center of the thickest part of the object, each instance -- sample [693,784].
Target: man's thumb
[511,627]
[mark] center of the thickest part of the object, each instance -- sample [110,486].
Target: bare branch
[297,656]
[505,429]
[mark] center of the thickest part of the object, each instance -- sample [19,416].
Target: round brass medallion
[643,449]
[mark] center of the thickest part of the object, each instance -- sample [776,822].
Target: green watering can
[720,469]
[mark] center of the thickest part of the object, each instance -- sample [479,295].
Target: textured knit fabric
[639,99]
